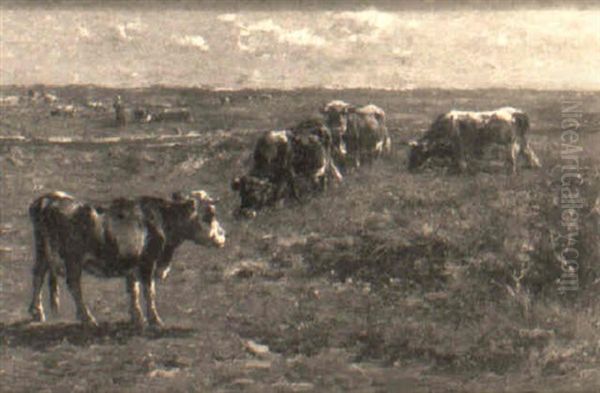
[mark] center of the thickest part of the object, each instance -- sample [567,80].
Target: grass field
[389,282]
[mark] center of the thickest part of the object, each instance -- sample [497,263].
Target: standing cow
[134,238]
[461,133]
[360,134]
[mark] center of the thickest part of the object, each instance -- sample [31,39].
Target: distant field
[391,281]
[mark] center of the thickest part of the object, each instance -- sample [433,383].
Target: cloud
[227,17]
[83,32]
[126,31]
[299,37]
[371,17]
[195,41]
[367,26]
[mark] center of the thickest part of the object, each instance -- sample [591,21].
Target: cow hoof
[156,323]
[89,322]
[37,315]
[137,322]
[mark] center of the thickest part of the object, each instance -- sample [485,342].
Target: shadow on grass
[43,335]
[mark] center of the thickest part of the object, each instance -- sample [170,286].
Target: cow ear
[177,197]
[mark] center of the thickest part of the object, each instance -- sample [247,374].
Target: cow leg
[54,292]
[148,283]
[511,159]
[135,310]
[74,285]
[459,154]
[39,272]
[529,154]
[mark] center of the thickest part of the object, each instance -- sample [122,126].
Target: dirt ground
[388,282]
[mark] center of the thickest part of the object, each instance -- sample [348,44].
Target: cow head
[336,116]
[255,193]
[418,154]
[199,219]
[424,149]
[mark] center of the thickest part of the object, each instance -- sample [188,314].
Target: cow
[10,101]
[131,238]
[172,114]
[284,158]
[142,115]
[49,98]
[359,134]
[255,192]
[63,110]
[461,133]
[96,105]
[312,143]
[225,100]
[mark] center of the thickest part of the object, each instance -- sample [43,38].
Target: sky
[287,45]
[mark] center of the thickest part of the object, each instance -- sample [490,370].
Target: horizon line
[308,5]
[283,89]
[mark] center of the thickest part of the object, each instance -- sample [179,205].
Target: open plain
[389,282]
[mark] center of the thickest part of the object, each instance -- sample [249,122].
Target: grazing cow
[255,193]
[63,110]
[461,133]
[142,115]
[312,153]
[96,105]
[359,134]
[50,98]
[10,100]
[172,114]
[281,160]
[225,100]
[134,238]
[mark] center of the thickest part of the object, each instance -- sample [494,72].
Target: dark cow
[282,161]
[255,194]
[359,134]
[146,115]
[142,115]
[461,133]
[173,114]
[134,238]
[312,153]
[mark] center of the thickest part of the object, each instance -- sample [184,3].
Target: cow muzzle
[217,234]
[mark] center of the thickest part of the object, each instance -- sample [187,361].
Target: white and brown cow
[131,238]
[359,134]
[463,133]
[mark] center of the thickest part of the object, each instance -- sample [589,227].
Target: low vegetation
[391,281]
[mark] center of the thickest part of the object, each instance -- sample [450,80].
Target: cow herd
[312,153]
[136,238]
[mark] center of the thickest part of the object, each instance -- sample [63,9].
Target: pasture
[389,282]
